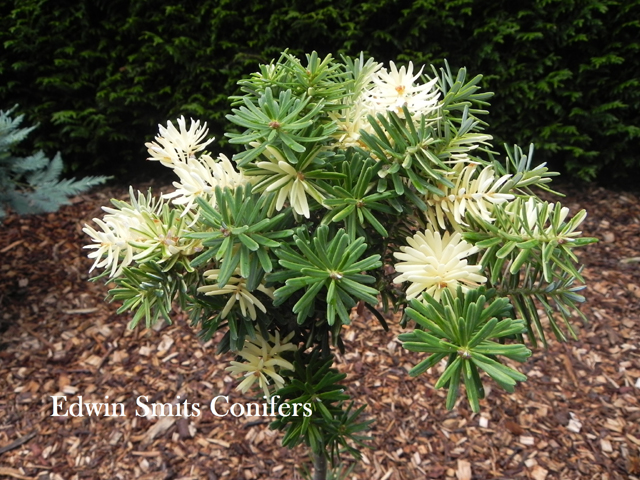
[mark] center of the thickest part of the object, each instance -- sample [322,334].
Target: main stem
[319,467]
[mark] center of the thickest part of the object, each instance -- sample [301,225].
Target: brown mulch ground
[577,417]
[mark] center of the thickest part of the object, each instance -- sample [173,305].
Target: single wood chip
[158,428]
[74,311]
[11,245]
[463,472]
[630,260]
[13,473]
[20,441]
[539,473]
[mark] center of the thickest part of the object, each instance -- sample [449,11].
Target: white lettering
[79,405]
[94,408]
[212,406]
[161,407]
[286,406]
[145,409]
[56,406]
[249,410]
[233,408]
[273,405]
[113,409]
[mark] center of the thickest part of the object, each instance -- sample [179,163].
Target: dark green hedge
[100,75]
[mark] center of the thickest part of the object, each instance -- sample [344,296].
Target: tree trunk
[319,467]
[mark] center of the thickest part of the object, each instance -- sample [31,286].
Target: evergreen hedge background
[99,75]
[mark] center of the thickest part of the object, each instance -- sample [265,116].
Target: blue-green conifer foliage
[31,184]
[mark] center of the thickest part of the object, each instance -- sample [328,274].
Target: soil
[577,416]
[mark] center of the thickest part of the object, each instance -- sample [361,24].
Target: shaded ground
[577,417]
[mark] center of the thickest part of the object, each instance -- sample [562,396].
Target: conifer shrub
[31,184]
[360,189]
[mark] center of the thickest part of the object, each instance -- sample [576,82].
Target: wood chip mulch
[577,416]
